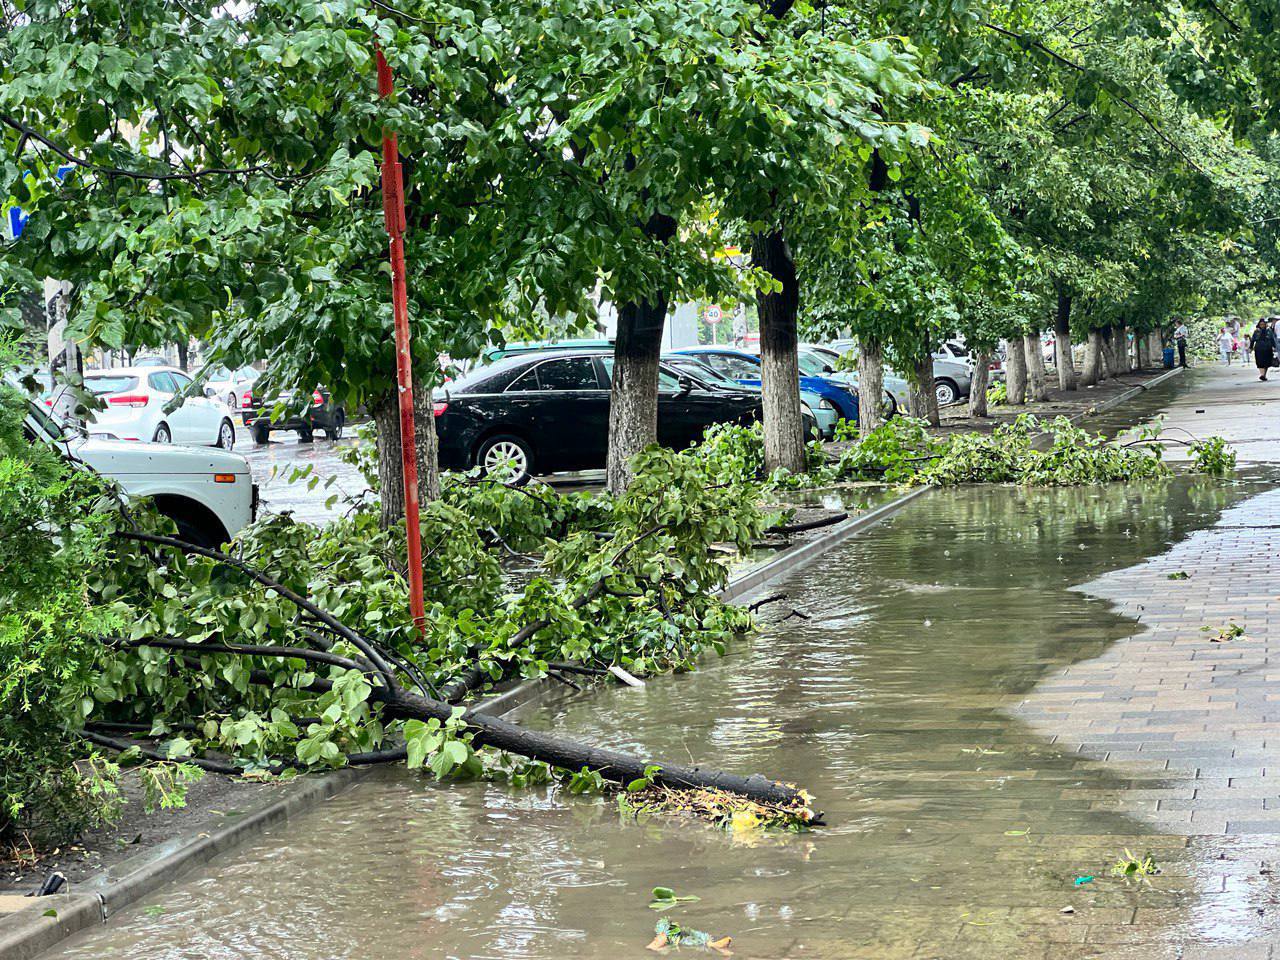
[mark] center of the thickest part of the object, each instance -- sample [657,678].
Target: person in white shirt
[1226,345]
[1180,338]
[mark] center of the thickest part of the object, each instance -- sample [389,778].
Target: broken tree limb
[333,623]
[809,524]
[120,746]
[397,703]
[570,755]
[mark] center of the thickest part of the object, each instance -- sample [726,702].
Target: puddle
[956,828]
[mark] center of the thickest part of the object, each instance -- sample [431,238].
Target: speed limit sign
[713,314]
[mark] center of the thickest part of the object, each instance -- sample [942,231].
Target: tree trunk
[1143,344]
[1107,342]
[633,397]
[978,385]
[386,418]
[1156,346]
[1015,372]
[780,369]
[1037,380]
[1062,343]
[870,382]
[924,399]
[1120,349]
[183,356]
[1092,359]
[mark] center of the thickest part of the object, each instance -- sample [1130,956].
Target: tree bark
[386,418]
[1062,343]
[924,401]
[1107,342]
[1120,349]
[633,396]
[870,382]
[1015,367]
[1156,346]
[780,369]
[978,386]
[1037,380]
[183,354]
[1143,344]
[1092,374]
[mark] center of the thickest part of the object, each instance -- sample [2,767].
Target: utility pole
[393,217]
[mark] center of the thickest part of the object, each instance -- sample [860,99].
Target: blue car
[745,368]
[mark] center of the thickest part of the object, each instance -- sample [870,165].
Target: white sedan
[229,384]
[137,401]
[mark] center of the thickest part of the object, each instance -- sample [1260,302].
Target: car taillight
[48,401]
[129,400]
[316,399]
[247,399]
[439,407]
[993,365]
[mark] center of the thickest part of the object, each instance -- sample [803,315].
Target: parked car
[227,384]
[542,346]
[209,494]
[952,369]
[138,402]
[744,367]
[821,361]
[261,418]
[548,412]
[822,411]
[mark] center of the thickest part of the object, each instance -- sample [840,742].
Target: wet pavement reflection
[956,828]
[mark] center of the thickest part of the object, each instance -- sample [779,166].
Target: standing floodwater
[954,830]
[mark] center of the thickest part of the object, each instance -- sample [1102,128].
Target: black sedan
[321,413]
[549,412]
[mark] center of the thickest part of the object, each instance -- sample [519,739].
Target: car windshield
[218,373]
[667,379]
[958,349]
[101,386]
[812,365]
[702,372]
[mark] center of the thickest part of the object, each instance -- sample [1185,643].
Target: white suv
[208,493]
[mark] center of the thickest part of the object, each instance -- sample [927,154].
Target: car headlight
[825,404]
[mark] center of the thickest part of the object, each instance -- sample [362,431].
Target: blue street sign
[18,217]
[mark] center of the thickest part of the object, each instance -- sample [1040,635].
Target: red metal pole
[393,215]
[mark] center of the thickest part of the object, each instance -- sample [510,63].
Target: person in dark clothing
[1180,339]
[1263,345]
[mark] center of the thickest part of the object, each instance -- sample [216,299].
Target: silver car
[896,388]
[952,372]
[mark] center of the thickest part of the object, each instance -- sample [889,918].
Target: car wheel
[306,435]
[334,432]
[505,454]
[946,392]
[162,434]
[227,435]
[260,432]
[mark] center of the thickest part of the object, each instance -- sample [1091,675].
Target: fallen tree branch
[809,525]
[120,746]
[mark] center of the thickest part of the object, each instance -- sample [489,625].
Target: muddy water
[954,829]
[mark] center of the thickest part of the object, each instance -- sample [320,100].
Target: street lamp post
[393,217]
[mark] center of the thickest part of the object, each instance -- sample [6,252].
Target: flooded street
[957,826]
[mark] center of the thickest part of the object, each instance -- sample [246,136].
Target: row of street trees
[900,170]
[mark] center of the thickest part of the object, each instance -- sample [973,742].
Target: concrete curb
[29,932]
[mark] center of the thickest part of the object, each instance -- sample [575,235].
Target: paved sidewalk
[1192,707]
[1230,402]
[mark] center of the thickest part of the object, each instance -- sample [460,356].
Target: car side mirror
[210,392]
[686,384]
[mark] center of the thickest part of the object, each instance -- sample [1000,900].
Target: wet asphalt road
[278,470]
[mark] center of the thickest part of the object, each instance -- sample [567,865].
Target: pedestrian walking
[1263,345]
[1226,345]
[1180,338]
